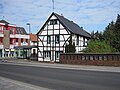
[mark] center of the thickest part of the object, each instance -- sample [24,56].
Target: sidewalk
[62,66]
[9,84]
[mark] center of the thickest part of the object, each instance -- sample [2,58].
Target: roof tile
[33,37]
[73,27]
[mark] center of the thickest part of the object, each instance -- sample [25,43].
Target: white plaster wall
[56,31]
[45,27]
[56,26]
[61,26]
[41,48]
[50,27]
[50,32]
[63,32]
[44,32]
[61,43]
[53,17]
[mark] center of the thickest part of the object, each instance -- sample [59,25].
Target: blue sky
[89,14]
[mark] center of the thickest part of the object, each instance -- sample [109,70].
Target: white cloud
[83,12]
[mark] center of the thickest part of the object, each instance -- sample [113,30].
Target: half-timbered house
[55,34]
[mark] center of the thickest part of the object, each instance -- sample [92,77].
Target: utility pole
[29,50]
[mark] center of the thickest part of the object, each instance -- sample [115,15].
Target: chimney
[81,27]
[61,14]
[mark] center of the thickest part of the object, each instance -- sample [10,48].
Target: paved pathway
[9,84]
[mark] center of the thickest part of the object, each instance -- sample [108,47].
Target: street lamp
[29,31]
[29,51]
[29,27]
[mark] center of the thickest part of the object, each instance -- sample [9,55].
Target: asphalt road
[62,79]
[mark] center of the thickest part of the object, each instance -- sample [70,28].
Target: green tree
[92,35]
[97,35]
[70,48]
[108,34]
[108,41]
[116,39]
[97,46]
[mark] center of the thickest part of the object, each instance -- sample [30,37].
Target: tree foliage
[70,48]
[109,33]
[112,34]
[116,39]
[97,46]
[97,35]
[108,41]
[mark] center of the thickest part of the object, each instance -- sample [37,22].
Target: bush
[97,46]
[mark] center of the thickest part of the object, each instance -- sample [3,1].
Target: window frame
[77,41]
[53,22]
[48,39]
[84,41]
[12,30]
[57,39]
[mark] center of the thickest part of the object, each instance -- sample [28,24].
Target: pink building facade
[10,37]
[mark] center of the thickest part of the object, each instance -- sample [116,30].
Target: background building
[13,40]
[28,50]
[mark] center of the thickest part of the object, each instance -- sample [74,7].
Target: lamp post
[29,31]
[29,51]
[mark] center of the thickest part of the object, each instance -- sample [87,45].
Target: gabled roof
[3,21]
[20,30]
[73,27]
[70,25]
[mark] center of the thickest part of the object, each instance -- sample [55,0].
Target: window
[21,39]
[16,39]
[27,40]
[34,51]
[77,40]
[53,22]
[57,54]
[57,38]
[5,28]
[48,39]
[1,31]
[47,54]
[11,30]
[11,41]
[83,41]
[1,40]
[0,27]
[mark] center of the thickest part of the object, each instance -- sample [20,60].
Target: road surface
[62,79]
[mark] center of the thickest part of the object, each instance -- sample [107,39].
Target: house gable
[52,17]
[55,34]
